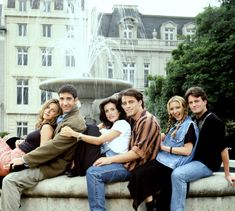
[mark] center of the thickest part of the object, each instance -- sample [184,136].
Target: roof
[146,23]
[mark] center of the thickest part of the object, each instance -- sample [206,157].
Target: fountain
[90,45]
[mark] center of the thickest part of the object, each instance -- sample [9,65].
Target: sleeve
[190,135]
[147,139]
[121,125]
[53,148]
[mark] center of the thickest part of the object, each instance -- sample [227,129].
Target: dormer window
[169,32]
[128,28]
[189,29]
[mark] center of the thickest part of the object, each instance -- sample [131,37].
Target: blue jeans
[97,176]
[179,178]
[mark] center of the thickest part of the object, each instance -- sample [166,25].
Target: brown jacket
[53,158]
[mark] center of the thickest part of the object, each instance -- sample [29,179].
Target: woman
[176,149]
[44,132]
[115,131]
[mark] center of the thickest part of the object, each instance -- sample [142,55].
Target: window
[110,70]
[128,72]
[22,29]
[70,8]
[128,28]
[22,5]
[46,30]
[22,128]
[146,73]
[169,33]
[70,31]
[127,32]
[22,91]
[46,56]
[70,59]
[45,95]
[47,6]
[11,4]
[189,29]
[58,5]
[22,56]
[34,4]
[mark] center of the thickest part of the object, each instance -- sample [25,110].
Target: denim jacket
[173,160]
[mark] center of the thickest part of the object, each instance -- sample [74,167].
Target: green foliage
[207,60]
[2,134]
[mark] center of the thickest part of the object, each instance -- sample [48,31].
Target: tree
[206,60]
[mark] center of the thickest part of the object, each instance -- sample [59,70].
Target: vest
[173,160]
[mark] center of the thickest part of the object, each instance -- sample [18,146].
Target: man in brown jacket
[49,160]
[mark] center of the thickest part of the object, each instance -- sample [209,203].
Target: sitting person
[177,148]
[44,132]
[115,132]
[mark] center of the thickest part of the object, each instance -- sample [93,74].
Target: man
[49,160]
[211,149]
[144,145]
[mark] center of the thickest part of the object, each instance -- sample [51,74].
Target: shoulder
[121,124]
[47,127]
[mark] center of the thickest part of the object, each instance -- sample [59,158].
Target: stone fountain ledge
[63,193]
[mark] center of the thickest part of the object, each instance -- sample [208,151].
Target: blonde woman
[44,131]
[176,149]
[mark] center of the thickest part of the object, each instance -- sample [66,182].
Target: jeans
[97,176]
[179,178]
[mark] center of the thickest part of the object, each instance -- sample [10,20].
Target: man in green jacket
[49,160]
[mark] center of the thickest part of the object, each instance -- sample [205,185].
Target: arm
[120,158]
[184,150]
[225,160]
[46,133]
[67,131]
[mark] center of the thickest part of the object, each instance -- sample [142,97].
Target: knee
[91,172]
[176,174]
[7,180]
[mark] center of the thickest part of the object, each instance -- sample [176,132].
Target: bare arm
[120,158]
[184,150]
[67,131]
[225,160]
[46,133]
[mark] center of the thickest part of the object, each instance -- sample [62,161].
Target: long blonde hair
[171,119]
[41,112]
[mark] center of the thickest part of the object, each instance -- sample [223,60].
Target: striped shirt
[145,139]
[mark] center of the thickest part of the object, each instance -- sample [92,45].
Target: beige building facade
[51,39]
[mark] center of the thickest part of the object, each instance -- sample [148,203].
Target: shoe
[71,173]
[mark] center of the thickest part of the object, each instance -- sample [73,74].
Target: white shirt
[121,143]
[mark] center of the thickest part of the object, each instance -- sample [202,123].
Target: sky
[159,7]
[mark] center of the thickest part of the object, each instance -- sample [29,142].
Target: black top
[211,141]
[32,141]
[190,136]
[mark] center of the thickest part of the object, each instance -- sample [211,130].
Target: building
[140,44]
[2,84]
[39,45]
[50,39]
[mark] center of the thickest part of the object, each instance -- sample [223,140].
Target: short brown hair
[196,91]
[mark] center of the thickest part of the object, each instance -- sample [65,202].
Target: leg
[13,185]
[164,198]
[145,181]
[179,178]
[96,177]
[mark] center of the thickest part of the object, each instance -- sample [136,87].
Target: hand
[67,131]
[18,142]
[102,161]
[14,162]
[231,180]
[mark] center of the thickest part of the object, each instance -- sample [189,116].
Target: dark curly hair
[103,117]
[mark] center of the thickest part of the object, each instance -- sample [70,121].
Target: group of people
[132,147]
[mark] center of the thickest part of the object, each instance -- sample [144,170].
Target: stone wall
[70,194]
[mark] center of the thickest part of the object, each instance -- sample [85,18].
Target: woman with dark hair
[44,131]
[115,130]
